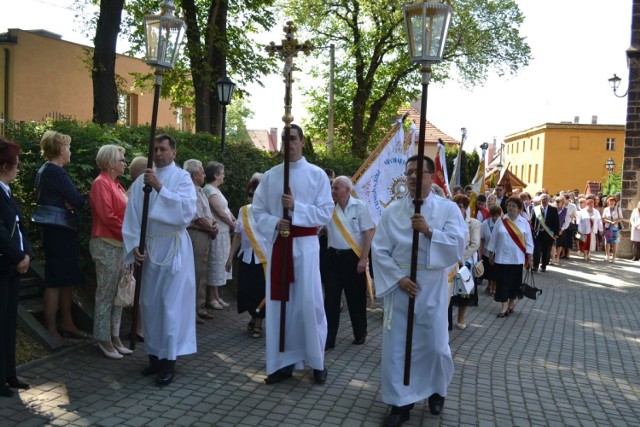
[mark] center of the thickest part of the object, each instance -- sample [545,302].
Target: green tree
[373,75]
[218,38]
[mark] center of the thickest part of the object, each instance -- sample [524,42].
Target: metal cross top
[288,50]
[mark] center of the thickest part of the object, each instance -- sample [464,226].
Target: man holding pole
[168,288]
[310,206]
[440,245]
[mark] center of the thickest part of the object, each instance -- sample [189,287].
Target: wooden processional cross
[288,50]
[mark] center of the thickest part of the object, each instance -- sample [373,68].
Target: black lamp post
[163,38]
[484,147]
[225,91]
[610,165]
[614,82]
[427,24]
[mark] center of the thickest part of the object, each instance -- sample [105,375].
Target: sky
[576,46]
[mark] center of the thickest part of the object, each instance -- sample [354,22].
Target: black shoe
[5,391]
[328,347]
[16,383]
[153,368]
[320,376]
[436,402]
[361,340]
[395,420]
[278,376]
[534,270]
[164,378]
[543,269]
[505,314]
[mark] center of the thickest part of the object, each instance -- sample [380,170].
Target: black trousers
[9,293]
[542,249]
[341,273]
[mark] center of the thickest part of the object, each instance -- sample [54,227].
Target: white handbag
[463,282]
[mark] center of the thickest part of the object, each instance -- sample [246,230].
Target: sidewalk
[570,358]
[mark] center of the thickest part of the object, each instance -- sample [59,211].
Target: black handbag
[529,290]
[53,216]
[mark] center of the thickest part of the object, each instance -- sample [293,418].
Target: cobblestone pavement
[570,358]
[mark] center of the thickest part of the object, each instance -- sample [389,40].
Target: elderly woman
[510,249]
[108,202]
[611,218]
[589,224]
[635,232]
[251,279]
[15,255]
[219,248]
[201,230]
[60,245]
[470,259]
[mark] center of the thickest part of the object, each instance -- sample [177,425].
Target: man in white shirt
[349,240]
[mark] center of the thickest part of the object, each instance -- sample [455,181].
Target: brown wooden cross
[288,50]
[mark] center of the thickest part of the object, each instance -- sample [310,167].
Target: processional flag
[440,174]
[380,180]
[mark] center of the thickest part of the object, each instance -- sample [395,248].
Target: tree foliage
[373,75]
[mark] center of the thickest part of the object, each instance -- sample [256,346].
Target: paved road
[571,358]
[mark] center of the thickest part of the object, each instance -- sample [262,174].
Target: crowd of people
[297,250]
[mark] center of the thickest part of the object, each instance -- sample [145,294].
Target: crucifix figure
[288,50]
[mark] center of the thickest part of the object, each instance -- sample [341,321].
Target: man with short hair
[168,279]
[310,206]
[442,235]
[501,199]
[349,236]
[545,224]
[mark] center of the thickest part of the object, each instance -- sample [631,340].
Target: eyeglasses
[410,172]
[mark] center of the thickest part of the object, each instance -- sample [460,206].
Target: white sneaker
[222,303]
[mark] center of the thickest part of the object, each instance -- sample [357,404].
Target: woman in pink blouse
[108,202]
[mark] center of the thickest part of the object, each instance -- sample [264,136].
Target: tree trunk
[197,58]
[218,64]
[105,91]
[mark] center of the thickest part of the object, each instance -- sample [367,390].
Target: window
[537,143]
[535,177]
[529,177]
[611,144]
[531,144]
[124,109]
[574,143]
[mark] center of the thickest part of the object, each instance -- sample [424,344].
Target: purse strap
[38,177]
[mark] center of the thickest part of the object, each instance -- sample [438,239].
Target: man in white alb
[440,246]
[310,206]
[168,279]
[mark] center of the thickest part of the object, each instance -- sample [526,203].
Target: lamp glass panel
[152,30]
[415,26]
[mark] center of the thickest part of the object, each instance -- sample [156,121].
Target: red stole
[280,291]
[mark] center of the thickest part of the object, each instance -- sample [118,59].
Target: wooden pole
[145,210]
[417,203]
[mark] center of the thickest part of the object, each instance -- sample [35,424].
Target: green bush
[241,160]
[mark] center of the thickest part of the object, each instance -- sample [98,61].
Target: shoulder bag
[463,282]
[52,216]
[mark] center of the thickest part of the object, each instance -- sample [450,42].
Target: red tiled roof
[432,132]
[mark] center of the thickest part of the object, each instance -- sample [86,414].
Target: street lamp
[427,24]
[484,147]
[614,82]
[225,91]
[163,39]
[610,165]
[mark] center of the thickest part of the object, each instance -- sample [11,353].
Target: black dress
[60,246]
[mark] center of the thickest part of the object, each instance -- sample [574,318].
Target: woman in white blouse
[510,249]
[589,224]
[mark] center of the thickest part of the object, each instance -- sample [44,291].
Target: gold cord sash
[246,220]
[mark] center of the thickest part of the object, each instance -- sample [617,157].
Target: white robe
[168,275]
[306,323]
[431,361]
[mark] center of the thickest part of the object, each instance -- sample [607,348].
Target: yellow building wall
[48,76]
[563,156]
